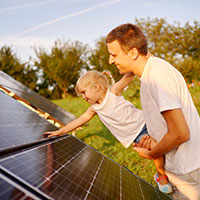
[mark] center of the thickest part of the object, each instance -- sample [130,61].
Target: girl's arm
[84,118]
[118,87]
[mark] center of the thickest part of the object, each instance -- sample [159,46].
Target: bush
[190,69]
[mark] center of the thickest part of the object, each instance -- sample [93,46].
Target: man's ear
[134,53]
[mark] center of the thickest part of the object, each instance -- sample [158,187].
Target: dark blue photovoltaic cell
[34,98]
[69,169]
[16,190]
[18,124]
[8,191]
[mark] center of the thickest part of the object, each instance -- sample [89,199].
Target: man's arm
[178,133]
[118,87]
[84,118]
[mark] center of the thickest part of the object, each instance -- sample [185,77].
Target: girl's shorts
[141,134]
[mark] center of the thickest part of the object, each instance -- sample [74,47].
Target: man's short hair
[129,36]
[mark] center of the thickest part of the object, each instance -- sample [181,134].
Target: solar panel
[15,190]
[69,169]
[59,168]
[9,191]
[35,99]
[18,124]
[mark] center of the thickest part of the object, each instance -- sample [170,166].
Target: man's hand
[143,152]
[144,147]
[145,142]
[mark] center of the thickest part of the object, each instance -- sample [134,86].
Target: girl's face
[90,94]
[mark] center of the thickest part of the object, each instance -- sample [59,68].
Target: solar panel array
[34,98]
[69,169]
[18,124]
[59,168]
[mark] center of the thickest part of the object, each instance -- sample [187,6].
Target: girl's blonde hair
[90,78]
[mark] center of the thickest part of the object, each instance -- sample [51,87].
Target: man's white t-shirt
[164,88]
[121,117]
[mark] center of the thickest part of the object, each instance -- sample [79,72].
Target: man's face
[122,60]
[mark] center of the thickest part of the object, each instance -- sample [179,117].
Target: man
[169,111]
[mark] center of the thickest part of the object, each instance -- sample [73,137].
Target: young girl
[120,116]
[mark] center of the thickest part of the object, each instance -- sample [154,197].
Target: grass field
[97,135]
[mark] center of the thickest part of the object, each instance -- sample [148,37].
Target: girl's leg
[159,164]
[161,178]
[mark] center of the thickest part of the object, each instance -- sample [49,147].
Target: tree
[62,66]
[162,38]
[99,59]
[169,41]
[191,40]
[23,72]
[178,45]
[190,69]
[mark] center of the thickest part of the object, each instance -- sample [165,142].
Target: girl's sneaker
[167,188]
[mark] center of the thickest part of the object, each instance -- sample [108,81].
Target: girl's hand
[51,134]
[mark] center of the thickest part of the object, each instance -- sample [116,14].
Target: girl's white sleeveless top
[121,117]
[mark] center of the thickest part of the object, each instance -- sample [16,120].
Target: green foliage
[190,69]
[195,92]
[62,66]
[178,45]
[23,72]
[171,42]
[191,40]
[160,37]
[132,92]
[44,84]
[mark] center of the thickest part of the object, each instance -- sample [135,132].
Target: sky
[29,24]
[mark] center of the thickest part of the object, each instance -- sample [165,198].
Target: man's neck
[141,62]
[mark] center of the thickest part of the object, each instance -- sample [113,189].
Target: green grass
[98,136]
[195,92]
